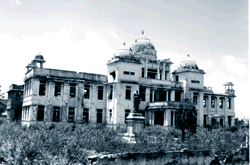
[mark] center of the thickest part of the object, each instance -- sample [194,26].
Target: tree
[186,116]
[2,104]
[1,94]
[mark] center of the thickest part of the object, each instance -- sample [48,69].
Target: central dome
[143,47]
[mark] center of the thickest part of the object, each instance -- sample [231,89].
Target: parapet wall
[182,157]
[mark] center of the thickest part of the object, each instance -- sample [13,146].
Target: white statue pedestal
[135,123]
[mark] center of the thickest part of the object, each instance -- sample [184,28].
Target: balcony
[148,81]
[164,105]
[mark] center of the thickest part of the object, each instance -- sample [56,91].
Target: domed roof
[123,51]
[39,56]
[143,46]
[188,65]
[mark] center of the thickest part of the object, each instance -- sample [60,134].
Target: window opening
[86,91]
[71,114]
[128,92]
[72,92]
[42,88]
[58,88]
[100,92]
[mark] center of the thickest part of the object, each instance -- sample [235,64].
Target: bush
[64,144]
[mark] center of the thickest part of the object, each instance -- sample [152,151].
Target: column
[146,69]
[209,109]
[80,102]
[172,95]
[225,112]
[153,95]
[200,110]
[217,105]
[167,91]
[166,118]
[169,71]
[232,122]
[149,117]
[163,71]
[158,70]
[152,117]
[147,99]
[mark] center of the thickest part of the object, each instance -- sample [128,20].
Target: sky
[82,36]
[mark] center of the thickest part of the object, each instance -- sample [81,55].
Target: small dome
[188,63]
[39,57]
[144,46]
[123,51]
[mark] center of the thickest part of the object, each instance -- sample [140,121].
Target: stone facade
[52,95]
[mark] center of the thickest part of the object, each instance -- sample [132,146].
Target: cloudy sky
[82,36]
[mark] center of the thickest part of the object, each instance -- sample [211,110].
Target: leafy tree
[186,116]
[2,108]
[1,94]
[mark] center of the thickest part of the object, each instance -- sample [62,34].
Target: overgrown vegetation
[64,144]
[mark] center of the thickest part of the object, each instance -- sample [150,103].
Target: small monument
[135,120]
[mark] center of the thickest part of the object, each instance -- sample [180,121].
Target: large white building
[52,95]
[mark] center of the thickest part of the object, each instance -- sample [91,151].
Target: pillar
[166,118]
[146,69]
[172,95]
[153,95]
[209,109]
[158,70]
[217,104]
[169,71]
[152,117]
[167,91]
[147,99]
[163,71]
[225,112]
[200,109]
[80,102]
[149,117]
[233,120]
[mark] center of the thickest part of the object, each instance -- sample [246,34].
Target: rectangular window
[142,72]
[71,114]
[100,92]
[221,122]
[166,75]
[72,92]
[113,75]
[169,95]
[195,98]
[172,118]
[86,91]
[110,116]
[142,91]
[204,102]
[58,88]
[229,121]
[111,93]
[177,96]
[229,103]
[221,103]
[132,73]
[40,113]
[99,116]
[56,114]
[152,73]
[85,115]
[177,78]
[195,81]
[125,72]
[151,96]
[213,103]
[42,88]
[128,92]
[127,111]
[204,120]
